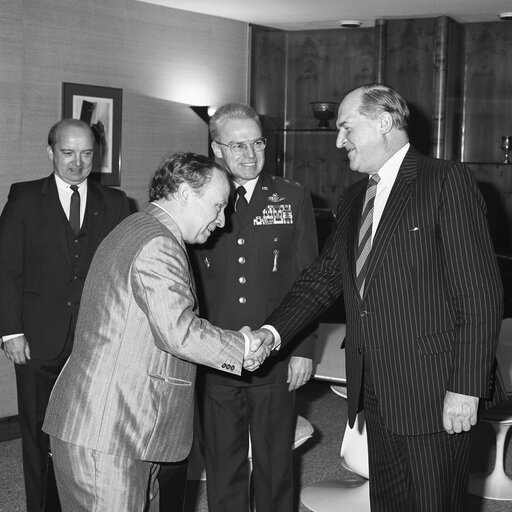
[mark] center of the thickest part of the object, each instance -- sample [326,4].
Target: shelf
[486,163]
[306,130]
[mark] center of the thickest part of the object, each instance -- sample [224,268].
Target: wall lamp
[205,112]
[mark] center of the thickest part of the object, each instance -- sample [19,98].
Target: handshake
[261,344]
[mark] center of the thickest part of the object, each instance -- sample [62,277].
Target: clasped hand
[261,344]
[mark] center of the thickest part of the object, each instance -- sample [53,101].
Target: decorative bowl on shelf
[324,111]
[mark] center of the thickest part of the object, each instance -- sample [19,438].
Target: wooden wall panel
[410,70]
[313,159]
[268,74]
[324,65]
[487,91]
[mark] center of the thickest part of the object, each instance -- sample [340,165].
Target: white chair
[352,495]
[497,485]
[303,431]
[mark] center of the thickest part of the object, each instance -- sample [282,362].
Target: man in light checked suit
[124,400]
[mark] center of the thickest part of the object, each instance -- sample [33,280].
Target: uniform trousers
[423,473]
[34,383]
[229,414]
[89,480]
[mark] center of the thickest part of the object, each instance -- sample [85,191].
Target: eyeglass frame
[245,145]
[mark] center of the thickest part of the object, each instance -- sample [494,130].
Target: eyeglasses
[239,148]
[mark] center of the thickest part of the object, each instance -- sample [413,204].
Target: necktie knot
[240,191]
[74,188]
[374,179]
[241,203]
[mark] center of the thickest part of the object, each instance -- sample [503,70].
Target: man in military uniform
[242,273]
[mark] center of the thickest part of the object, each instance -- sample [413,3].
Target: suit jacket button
[241,260]
[242,300]
[240,241]
[242,280]
[223,365]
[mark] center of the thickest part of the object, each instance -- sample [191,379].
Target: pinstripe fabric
[429,319]
[128,386]
[365,233]
[88,480]
[414,473]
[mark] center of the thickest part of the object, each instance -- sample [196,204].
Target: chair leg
[495,485]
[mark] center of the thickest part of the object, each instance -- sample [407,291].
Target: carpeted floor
[318,459]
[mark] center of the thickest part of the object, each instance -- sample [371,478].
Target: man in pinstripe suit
[421,335]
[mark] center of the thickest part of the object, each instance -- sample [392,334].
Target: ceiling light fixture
[505,16]
[350,23]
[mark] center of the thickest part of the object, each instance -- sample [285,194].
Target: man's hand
[17,350]
[254,358]
[459,412]
[299,372]
[262,337]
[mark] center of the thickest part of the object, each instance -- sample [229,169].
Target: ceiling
[326,14]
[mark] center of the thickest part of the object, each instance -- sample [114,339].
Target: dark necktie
[365,233]
[241,204]
[74,209]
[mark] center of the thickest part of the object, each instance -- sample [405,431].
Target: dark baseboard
[10,428]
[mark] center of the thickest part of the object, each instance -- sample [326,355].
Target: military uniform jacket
[244,271]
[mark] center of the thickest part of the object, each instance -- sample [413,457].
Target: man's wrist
[277,338]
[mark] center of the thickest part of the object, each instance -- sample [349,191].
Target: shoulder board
[286,181]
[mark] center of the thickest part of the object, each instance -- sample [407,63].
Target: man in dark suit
[243,272]
[48,235]
[412,255]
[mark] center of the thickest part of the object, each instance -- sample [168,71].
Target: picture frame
[101,108]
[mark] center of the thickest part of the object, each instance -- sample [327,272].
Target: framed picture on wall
[101,108]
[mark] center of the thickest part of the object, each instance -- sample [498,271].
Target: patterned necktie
[74,209]
[241,203]
[365,233]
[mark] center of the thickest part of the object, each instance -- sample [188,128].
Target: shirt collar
[63,186]
[389,171]
[249,187]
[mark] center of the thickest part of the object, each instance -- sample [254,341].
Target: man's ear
[183,194]
[216,150]
[386,123]
[49,150]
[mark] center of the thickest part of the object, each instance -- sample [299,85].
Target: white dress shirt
[387,173]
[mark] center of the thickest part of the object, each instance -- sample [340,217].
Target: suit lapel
[54,213]
[398,200]
[94,218]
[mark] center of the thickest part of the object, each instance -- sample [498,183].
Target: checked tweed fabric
[365,233]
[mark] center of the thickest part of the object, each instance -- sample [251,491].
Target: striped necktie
[365,233]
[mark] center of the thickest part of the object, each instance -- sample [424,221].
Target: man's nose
[221,219]
[249,149]
[340,139]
